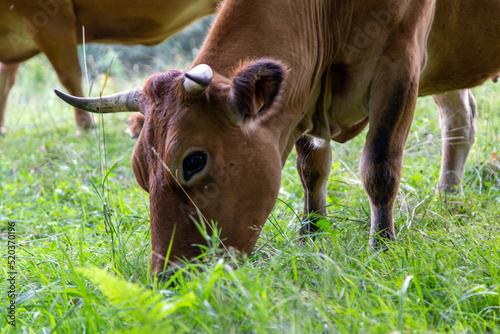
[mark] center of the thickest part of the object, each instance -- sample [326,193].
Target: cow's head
[204,145]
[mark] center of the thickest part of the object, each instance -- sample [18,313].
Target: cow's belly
[16,43]
[137,22]
[457,74]
[348,119]
[463,46]
[348,112]
[341,110]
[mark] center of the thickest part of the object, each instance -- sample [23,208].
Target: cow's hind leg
[60,47]
[457,115]
[70,75]
[313,164]
[8,73]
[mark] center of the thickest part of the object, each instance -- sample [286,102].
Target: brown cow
[284,72]
[54,27]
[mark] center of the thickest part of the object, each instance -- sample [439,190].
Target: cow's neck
[295,32]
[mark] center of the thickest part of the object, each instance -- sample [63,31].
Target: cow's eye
[192,164]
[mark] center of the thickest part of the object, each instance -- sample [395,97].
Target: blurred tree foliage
[140,60]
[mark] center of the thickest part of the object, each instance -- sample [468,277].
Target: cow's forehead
[170,106]
[164,92]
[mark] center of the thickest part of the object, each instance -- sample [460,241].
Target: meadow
[83,243]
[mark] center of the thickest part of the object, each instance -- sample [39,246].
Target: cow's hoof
[451,198]
[378,246]
[83,120]
[381,242]
[169,275]
[310,226]
[449,189]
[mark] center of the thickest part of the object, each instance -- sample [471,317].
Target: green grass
[78,274]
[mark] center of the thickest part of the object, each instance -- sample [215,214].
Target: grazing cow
[284,73]
[54,27]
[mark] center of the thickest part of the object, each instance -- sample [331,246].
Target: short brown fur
[348,64]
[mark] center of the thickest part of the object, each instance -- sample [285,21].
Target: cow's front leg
[8,73]
[313,164]
[457,115]
[392,103]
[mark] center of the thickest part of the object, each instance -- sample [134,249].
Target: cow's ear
[256,88]
[134,125]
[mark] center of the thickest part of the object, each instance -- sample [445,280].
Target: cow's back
[22,21]
[25,24]
[137,22]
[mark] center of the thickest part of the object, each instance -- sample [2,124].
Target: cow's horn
[119,102]
[198,79]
